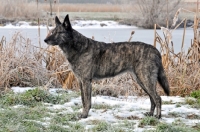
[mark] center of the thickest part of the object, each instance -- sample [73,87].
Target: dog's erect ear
[57,21]
[67,23]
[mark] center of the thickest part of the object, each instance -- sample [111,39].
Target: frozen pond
[108,34]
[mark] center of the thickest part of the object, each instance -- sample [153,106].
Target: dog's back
[114,58]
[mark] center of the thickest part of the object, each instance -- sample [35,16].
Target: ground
[57,109]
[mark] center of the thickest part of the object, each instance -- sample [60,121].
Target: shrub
[155,11]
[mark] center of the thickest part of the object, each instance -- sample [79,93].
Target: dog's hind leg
[86,91]
[153,105]
[147,79]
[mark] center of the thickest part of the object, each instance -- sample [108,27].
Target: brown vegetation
[25,9]
[87,7]
[18,9]
[182,68]
[22,64]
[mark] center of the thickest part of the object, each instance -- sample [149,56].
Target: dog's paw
[158,116]
[148,114]
[82,115]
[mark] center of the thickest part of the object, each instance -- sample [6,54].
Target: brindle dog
[90,59]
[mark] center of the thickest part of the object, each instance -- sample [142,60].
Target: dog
[90,59]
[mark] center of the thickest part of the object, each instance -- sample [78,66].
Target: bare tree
[157,11]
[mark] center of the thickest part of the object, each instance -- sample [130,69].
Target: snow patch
[77,24]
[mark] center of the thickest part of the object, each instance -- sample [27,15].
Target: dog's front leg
[86,91]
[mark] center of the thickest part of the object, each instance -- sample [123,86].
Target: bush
[156,12]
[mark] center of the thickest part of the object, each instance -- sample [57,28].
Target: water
[105,35]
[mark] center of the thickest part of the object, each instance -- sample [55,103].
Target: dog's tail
[162,79]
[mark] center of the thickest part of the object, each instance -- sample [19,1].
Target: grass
[101,127]
[35,119]
[34,97]
[173,128]
[167,102]
[22,119]
[29,10]
[182,68]
[39,115]
[174,114]
[64,7]
[35,66]
[103,106]
[29,111]
[196,101]
[195,94]
[150,121]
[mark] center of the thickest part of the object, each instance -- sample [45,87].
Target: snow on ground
[131,108]
[77,24]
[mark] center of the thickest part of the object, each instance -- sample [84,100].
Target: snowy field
[123,113]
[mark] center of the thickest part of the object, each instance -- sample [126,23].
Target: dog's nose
[45,40]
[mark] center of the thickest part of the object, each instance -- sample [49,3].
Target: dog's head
[61,34]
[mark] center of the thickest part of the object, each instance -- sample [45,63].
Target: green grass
[103,106]
[190,101]
[174,114]
[27,111]
[38,119]
[195,94]
[194,101]
[22,119]
[34,111]
[173,128]
[148,121]
[34,97]
[101,127]
[167,102]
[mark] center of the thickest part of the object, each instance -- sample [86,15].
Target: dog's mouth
[50,42]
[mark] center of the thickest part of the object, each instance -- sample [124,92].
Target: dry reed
[19,65]
[19,9]
[22,64]
[182,68]
[88,7]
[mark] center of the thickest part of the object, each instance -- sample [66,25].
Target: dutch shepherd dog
[90,59]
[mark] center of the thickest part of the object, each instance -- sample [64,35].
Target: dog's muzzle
[45,40]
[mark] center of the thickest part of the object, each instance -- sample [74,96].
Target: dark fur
[91,59]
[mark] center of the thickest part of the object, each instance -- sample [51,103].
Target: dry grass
[56,62]
[182,68]
[19,9]
[19,63]
[87,7]
[32,10]
[22,64]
